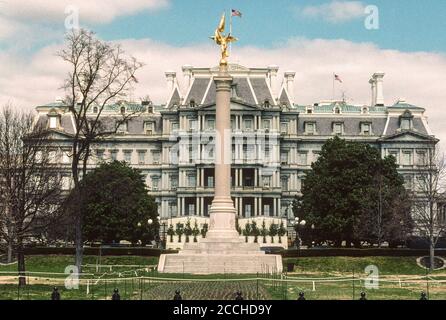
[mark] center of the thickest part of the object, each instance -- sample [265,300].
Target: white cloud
[94,12]
[418,77]
[336,11]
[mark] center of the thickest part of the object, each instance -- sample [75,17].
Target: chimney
[171,77]
[289,78]
[272,77]
[373,87]
[187,71]
[379,92]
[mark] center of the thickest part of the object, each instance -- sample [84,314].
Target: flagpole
[333,79]
[230,32]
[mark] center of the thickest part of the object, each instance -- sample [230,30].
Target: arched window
[122,110]
[266,103]
[192,103]
[337,110]
[95,110]
[365,110]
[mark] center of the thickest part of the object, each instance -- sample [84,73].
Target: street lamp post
[298,224]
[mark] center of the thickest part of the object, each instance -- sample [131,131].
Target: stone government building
[275,140]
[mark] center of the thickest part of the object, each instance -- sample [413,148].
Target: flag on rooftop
[236,13]
[337,78]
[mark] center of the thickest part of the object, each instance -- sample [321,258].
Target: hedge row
[352,252]
[108,251]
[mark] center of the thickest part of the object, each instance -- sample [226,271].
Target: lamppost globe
[139,224]
[303,223]
[296,219]
[159,218]
[312,226]
[150,221]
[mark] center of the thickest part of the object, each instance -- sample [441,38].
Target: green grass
[57,264]
[266,288]
[346,265]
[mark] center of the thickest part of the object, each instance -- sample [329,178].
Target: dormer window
[52,122]
[310,128]
[406,120]
[149,128]
[266,103]
[337,110]
[366,128]
[338,128]
[122,110]
[150,109]
[192,103]
[122,127]
[95,110]
[365,110]
[310,110]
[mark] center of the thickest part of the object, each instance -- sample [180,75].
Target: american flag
[236,13]
[337,78]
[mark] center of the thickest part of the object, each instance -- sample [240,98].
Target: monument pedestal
[223,250]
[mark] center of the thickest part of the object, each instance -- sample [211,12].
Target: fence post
[257,286]
[353,283]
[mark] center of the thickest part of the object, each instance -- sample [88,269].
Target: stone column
[222,213]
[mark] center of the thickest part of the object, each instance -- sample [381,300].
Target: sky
[403,38]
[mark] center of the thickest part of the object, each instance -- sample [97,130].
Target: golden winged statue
[223,40]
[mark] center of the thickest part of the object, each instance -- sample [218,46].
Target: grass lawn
[320,278]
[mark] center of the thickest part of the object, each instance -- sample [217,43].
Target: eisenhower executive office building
[275,140]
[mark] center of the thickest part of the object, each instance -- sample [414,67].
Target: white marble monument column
[222,213]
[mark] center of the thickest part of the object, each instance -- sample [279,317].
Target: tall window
[266,124]
[421,155]
[284,182]
[266,181]
[65,156]
[175,126]
[114,155]
[248,210]
[395,154]
[191,209]
[173,182]
[248,124]
[141,157]
[266,210]
[211,124]
[284,157]
[407,158]
[284,128]
[155,183]
[100,154]
[156,155]
[191,181]
[303,158]
[172,209]
[193,124]
[128,156]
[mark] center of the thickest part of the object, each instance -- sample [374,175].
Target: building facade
[275,140]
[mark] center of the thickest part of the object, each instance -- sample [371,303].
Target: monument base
[224,255]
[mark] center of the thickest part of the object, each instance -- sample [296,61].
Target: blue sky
[314,38]
[406,25]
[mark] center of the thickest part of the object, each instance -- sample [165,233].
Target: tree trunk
[10,252]
[431,254]
[21,262]
[78,241]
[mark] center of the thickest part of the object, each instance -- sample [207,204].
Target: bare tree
[30,185]
[100,74]
[428,194]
